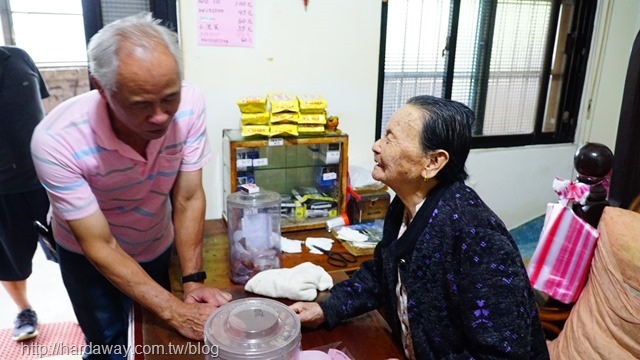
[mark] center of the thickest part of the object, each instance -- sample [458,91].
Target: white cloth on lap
[301,282]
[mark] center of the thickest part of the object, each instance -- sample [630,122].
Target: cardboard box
[330,153]
[371,206]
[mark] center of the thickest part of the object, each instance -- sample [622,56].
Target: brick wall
[63,84]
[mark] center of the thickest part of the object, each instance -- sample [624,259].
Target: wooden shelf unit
[281,163]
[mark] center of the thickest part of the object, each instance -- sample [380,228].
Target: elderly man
[122,166]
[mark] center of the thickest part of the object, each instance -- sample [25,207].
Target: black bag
[47,241]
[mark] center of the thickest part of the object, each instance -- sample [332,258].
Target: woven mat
[54,339]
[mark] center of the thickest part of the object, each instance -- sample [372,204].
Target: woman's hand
[309,313]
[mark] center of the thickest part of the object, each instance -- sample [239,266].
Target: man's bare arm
[101,249]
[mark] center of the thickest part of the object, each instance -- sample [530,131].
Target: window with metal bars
[519,64]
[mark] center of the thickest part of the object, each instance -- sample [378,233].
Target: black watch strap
[195,277]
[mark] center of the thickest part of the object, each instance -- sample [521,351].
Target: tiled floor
[46,293]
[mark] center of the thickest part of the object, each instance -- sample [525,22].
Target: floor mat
[63,338]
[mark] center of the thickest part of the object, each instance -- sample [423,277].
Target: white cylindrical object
[337,221]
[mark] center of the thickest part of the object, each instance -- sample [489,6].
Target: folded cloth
[301,282]
[323,243]
[290,246]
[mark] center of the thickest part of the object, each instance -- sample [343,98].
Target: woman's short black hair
[447,126]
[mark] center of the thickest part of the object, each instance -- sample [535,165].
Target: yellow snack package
[284,129]
[261,118]
[310,128]
[312,104]
[253,104]
[251,130]
[312,119]
[284,117]
[283,102]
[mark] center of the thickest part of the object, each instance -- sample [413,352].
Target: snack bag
[261,118]
[283,102]
[250,130]
[284,129]
[315,119]
[310,128]
[253,104]
[284,117]
[312,104]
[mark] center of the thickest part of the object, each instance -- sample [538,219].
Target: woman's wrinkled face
[398,156]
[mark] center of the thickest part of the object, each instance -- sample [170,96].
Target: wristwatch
[195,277]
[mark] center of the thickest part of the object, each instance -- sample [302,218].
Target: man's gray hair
[140,31]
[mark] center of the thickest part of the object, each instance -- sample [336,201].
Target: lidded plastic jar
[253,225]
[253,328]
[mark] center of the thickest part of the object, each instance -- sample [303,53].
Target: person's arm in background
[101,248]
[188,200]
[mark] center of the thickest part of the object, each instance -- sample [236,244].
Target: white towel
[301,282]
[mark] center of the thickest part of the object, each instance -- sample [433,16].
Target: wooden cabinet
[290,166]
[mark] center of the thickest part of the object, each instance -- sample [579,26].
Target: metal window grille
[488,54]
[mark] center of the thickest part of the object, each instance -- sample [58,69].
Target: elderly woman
[447,272]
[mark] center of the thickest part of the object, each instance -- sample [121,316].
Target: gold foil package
[282,114]
[312,104]
[285,117]
[314,119]
[281,102]
[310,128]
[251,105]
[284,129]
[251,130]
[261,118]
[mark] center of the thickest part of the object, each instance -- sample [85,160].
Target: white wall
[332,49]
[617,27]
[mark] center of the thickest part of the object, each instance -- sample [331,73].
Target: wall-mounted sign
[225,23]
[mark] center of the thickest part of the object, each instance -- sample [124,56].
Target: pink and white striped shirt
[86,168]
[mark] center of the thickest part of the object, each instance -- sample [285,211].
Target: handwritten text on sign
[225,23]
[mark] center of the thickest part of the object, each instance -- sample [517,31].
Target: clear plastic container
[253,225]
[253,328]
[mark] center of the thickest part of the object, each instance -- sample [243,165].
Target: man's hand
[310,313]
[199,293]
[189,319]
[199,301]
